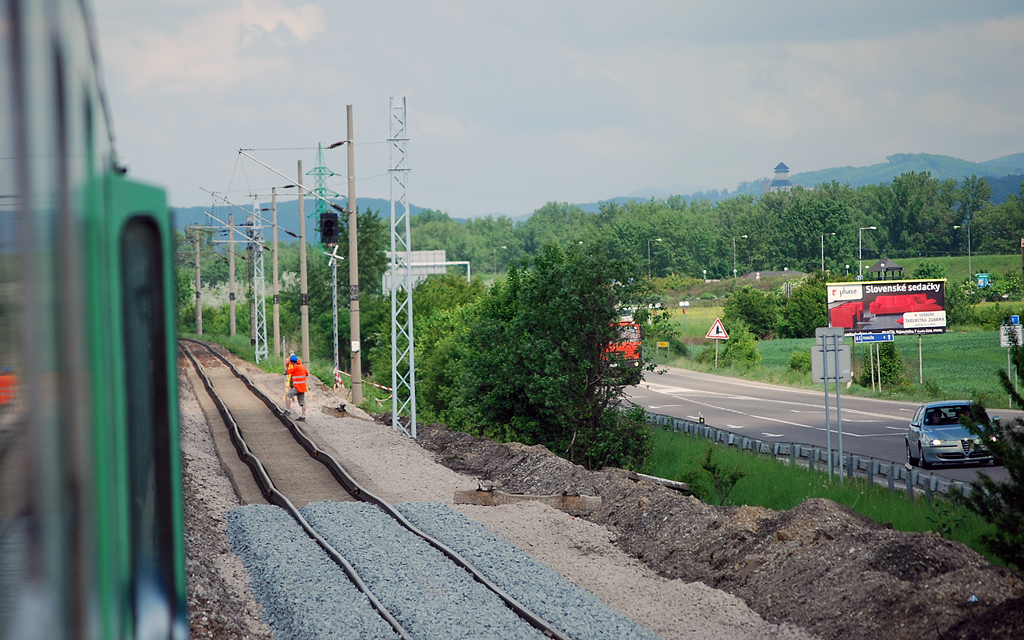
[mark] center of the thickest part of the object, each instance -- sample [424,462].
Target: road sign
[1010,334]
[874,337]
[717,331]
[823,367]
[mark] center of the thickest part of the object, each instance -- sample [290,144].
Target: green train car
[91,518]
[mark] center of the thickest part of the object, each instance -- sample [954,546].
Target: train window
[148,428]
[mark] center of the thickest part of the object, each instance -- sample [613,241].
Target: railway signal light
[329,227]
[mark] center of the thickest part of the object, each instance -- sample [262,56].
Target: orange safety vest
[299,373]
[8,388]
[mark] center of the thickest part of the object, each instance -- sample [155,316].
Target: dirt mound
[820,566]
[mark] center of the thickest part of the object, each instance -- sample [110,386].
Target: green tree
[805,310]
[1002,502]
[758,310]
[928,270]
[534,370]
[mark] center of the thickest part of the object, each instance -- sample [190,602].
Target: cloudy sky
[517,103]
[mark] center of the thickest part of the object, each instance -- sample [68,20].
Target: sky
[514,104]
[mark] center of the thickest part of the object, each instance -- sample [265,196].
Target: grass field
[956,364]
[776,485]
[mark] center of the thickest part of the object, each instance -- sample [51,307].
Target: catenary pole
[277,290]
[199,288]
[353,266]
[231,273]
[303,291]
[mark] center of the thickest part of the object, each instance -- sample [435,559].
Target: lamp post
[847,269]
[823,249]
[734,277]
[860,250]
[970,271]
[649,254]
[496,258]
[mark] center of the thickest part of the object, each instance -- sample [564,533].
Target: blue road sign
[888,336]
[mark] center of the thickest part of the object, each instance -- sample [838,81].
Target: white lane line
[803,407]
[736,426]
[773,435]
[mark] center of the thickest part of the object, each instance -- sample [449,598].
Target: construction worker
[8,389]
[296,385]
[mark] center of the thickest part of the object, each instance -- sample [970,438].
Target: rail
[359,493]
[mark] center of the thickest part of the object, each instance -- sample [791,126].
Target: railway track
[321,478]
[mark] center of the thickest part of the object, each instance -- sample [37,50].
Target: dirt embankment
[820,565]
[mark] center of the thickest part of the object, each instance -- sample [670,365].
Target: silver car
[936,436]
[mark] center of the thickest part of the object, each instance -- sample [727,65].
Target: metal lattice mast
[259,287]
[320,172]
[403,367]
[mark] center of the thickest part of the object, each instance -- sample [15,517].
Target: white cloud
[217,51]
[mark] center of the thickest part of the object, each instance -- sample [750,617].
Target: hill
[941,168]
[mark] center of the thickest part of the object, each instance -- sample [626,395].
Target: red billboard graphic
[905,307]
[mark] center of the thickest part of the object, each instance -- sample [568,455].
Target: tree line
[915,215]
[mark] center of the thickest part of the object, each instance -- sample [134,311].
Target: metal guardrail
[897,475]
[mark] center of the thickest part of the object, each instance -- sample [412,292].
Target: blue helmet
[294,358]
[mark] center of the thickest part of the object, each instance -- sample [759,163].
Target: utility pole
[250,275]
[231,273]
[303,291]
[277,290]
[353,267]
[199,288]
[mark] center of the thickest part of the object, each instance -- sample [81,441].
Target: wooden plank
[494,498]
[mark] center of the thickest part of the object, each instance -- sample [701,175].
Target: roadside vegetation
[766,482]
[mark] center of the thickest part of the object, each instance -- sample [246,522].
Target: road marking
[897,428]
[772,435]
[735,426]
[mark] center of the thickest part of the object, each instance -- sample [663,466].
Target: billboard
[904,307]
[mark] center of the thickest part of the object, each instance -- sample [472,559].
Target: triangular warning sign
[717,331]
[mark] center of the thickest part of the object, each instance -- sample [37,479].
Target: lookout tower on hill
[781,181]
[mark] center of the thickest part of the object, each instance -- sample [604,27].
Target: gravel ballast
[547,593]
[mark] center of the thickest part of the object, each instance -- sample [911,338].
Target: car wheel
[920,456]
[910,458]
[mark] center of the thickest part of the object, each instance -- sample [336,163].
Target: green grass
[776,485]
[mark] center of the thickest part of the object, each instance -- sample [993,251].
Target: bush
[1002,503]
[893,369]
[739,350]
[757,309]
[800,361]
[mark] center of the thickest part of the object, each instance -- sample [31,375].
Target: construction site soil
[819,566]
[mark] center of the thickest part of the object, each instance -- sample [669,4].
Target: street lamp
[970,271]
[649,254]
[496,258]
[847,270]
[734,278]
[860,250]
[823,249]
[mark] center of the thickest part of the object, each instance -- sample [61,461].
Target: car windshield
[945,416]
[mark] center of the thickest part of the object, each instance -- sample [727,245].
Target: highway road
[870,427]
